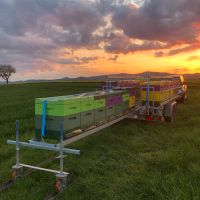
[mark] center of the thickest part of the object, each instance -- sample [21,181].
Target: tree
[6,71]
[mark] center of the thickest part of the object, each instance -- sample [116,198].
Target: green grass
[129,160]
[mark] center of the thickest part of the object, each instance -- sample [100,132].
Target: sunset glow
[54,39]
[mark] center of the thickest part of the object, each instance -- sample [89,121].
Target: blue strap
[147,95]
[44,112]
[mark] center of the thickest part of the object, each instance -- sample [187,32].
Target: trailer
[164,110]
[133,100]
[150,109]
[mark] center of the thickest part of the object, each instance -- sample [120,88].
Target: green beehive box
[87,105]
[100,96]
[100,115]
[110,112]
[51,135]
[126,96]
[86,97]
[72,122]
[87,119]
[71,109]
[53,125]
[99,103]
[38,121]
[125,106]
[58,106]
[119,108]
[63,99]
[52,128]
[58,109]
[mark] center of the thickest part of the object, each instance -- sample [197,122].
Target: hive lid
[58,100]
[76,98]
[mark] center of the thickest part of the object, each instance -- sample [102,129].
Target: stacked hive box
[132,93]
[159,91]
[127,83]
[130,86]
[100,108]
[114,102]
[59,110]
[81,110]
[119,104]
[87,111]
[126,97]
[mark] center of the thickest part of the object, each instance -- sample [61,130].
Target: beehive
[127,83]
[159,91]
[114,101]
[131,101]
[87,111]
[81,110]
[59,110]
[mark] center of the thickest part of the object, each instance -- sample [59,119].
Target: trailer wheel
[58,186]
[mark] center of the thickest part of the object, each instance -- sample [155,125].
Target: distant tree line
[6,71]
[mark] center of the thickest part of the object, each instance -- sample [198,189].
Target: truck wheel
[171,118]
[182,99]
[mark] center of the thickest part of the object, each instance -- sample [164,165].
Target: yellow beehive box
[159,90]
[131,101]
[153,96]
[156,95]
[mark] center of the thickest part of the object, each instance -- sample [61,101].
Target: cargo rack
[165,111]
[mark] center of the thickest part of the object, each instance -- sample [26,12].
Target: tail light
[149,118]
[159,118]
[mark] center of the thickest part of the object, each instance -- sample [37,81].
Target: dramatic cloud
[167,21]
[37,33]
[87,59]
[123,44]
[158,54]
[35,30]
[114,58]
[188,48]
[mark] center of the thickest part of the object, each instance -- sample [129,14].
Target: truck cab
[183,89]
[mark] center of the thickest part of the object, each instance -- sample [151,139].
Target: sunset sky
[47,39]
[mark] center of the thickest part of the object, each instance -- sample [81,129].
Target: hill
[108,77]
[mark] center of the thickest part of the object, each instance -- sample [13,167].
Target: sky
[47,39]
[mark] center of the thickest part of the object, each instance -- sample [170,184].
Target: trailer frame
[166,111]
[61,176]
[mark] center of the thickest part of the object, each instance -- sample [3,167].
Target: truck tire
[182,99]
[172,117]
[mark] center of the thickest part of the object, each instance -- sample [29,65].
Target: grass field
[129,160]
